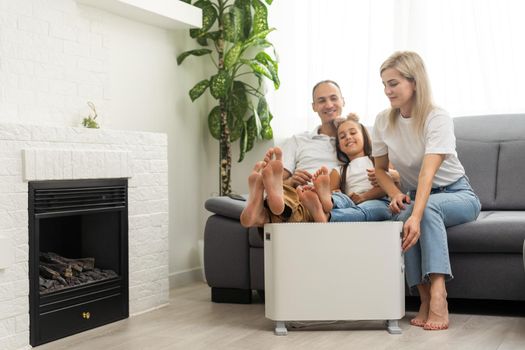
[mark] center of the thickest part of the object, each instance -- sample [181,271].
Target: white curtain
[473,50]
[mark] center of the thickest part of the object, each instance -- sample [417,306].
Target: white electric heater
[334,271]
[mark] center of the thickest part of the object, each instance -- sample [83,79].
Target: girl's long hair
[341,156]
[410,65]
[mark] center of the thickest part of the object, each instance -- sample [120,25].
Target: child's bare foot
[309,198]
[321,181]
[255,214]
[437,313]
[272,178]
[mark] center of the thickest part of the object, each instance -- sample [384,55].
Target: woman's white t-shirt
[406,148]
[356,176]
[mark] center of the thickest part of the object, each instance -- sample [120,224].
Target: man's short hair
[327,81]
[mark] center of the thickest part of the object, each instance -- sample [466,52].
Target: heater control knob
[86,315]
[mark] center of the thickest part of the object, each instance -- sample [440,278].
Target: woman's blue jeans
[345,209]
[447,206]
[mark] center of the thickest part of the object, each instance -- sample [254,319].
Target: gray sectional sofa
[487,255]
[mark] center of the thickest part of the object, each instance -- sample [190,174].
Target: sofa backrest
[492,150]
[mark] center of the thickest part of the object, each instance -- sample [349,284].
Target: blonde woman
[418,139]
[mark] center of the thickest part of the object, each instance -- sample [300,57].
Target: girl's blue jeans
[447,206]
[345,209]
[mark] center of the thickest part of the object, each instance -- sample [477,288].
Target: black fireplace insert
[78,256]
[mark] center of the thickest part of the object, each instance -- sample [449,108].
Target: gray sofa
[486,255]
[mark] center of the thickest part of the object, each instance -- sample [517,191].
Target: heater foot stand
[280,328]
[392,327]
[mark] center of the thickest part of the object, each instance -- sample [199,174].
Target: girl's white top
[356,176]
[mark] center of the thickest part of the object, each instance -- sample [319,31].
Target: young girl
[350,196]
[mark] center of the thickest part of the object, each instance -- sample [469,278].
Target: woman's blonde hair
[410,65]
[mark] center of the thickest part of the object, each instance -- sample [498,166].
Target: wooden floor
[191,321]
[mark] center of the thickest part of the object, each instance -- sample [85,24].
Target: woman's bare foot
[309,198]
[321,181]
[422,315]
[272,179]
[437,313]
[255,214]
[438,306]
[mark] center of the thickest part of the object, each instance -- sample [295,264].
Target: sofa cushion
[480,160]
[510,192]
[225,206]
[492,232]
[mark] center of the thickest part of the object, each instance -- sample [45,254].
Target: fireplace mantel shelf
[169,14]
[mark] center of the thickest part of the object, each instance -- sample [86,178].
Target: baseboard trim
[186,277]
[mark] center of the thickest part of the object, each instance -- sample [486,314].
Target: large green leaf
[238,102]
[246,17]
[262,109]
[233,28]
[219,84]
[199,89]
[209,16]
[257,37]
[266,130]
[237,107]
[269,2]
[232,56]
[236,126]
[251,130]
[271,66]
[214,122]
[197,52]
[243,143]
[260,16]
[258,68]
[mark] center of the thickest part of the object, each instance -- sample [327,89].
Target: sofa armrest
[225,206]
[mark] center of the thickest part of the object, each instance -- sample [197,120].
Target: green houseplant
[233,35]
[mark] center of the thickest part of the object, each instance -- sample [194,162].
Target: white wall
[55,55]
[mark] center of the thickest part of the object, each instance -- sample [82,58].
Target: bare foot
[272,178]
[255,214]
[437,313]
[422,315]
[321,181]
[309,198]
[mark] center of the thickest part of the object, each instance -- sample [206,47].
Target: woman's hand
[397,203]
[411,232]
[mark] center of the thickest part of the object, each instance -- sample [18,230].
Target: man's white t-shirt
[406,148]
[356,176]
[309,151]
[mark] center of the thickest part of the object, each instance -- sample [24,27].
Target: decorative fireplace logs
[57,272]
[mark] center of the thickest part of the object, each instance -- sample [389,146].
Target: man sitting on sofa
[301,156]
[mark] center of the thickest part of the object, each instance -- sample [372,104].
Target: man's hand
[372,177]
[299,178]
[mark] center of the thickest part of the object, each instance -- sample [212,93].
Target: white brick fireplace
[29,153]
